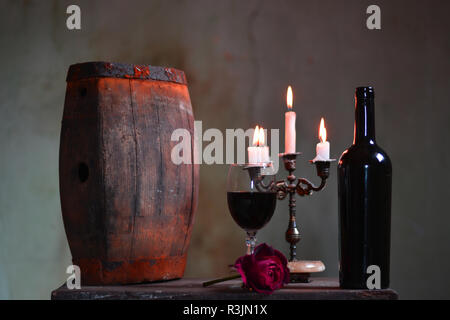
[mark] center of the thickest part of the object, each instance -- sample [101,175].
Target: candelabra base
[300,271]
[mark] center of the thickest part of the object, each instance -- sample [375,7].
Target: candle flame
[289,97]
[322,131]
[262,137]
[256,136]
[259,137]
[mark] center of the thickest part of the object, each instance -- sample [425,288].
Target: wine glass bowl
[250,202]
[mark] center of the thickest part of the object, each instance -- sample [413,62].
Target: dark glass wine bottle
[364,191]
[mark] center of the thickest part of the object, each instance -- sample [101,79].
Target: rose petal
[239,267]
[281,256]
[266,275]
[263,250]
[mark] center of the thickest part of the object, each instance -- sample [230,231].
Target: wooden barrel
[127,208]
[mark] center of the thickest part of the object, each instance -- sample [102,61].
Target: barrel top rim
[101,69]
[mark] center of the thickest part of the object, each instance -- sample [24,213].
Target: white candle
[265,154]
[289,124]
[323,150]
[258,153]
[254,154]
[323,147]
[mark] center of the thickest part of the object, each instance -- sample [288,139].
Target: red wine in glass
[251,210]
[251,206]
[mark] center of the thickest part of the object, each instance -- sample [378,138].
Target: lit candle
[323,147]
[289,124]
[259,152]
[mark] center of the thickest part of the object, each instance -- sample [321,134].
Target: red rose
[265,270]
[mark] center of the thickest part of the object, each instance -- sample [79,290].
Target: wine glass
[251,200]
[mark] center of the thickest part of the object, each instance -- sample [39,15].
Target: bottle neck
[364,120]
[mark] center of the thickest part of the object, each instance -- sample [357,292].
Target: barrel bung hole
[83,91]
[83,172]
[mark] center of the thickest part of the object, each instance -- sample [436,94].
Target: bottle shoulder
[367,154]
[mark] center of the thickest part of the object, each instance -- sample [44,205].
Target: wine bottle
[364,193]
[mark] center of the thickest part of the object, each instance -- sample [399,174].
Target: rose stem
[208,283]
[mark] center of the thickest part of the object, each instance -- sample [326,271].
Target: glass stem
[250,241]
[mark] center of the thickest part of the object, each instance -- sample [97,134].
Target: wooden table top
[192,289]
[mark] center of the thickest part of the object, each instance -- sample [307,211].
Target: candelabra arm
[280,187]
[261,186]
[257,176]
[309,186]
[268,186]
